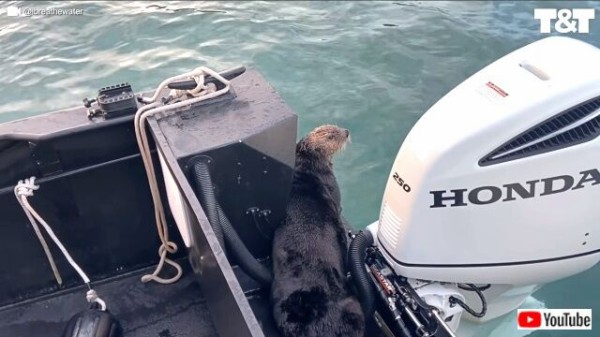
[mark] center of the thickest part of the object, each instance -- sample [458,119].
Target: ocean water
[373,67]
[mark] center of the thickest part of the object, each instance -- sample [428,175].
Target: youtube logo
[529,319]
[554,319]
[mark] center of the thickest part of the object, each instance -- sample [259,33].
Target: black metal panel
[251,139]
[93,192]
[23,154]
[244,179]
[95,195]
[225,297]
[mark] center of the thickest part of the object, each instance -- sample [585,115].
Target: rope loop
[26,187]
[162,252]
[92,297]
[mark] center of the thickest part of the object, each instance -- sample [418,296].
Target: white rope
[201,71]
[92,297]
[23,190]
[200,93]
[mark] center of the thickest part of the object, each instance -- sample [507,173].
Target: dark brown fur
[309,293]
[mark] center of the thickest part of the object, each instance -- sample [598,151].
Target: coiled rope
[200,93]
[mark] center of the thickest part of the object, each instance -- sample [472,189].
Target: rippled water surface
[373,67]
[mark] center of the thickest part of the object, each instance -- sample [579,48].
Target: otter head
[325,140]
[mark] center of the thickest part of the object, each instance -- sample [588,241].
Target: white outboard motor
[497,186]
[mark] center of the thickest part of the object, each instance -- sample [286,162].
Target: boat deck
[143,309]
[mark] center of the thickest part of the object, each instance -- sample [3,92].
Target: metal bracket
[45,158]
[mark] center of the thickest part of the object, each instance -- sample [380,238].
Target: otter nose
[347,132]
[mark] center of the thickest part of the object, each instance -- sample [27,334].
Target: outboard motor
[493,193]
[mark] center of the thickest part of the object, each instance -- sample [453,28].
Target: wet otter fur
[310,295]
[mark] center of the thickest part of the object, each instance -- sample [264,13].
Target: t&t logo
[575,20]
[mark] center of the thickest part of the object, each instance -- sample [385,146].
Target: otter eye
[330,136]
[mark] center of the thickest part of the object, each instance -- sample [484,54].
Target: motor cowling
[499,181]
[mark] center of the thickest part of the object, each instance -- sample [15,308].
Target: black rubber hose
[223,228]
[363,282]
[238,249]
[204,188]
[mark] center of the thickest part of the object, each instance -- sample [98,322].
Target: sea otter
[310,295]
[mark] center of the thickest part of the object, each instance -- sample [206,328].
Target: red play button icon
[529,319]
